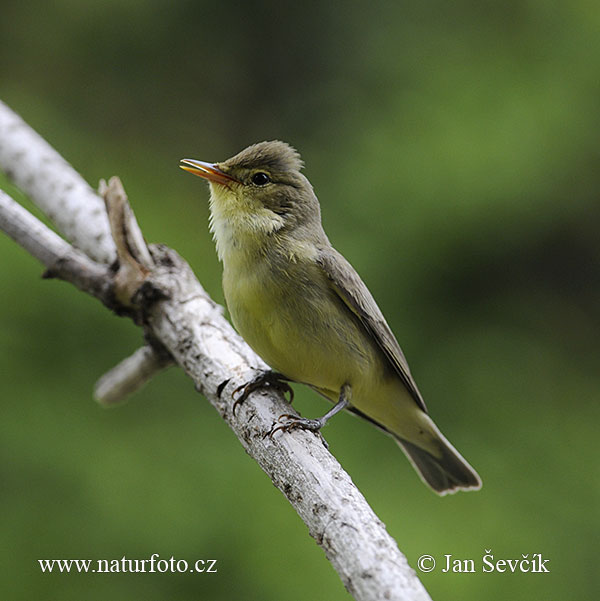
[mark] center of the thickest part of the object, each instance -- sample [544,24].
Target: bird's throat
[239,227]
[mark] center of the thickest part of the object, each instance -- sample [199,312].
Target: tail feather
[445,474]
[441,467]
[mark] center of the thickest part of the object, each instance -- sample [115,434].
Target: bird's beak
[208,171]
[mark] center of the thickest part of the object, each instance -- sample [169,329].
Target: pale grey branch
[60,258]
[38,170]
[129,376]
[78,212]
[176,311]
[337,515]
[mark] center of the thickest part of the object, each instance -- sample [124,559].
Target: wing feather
[355,294]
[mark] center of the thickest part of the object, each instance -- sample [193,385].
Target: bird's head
[256,193]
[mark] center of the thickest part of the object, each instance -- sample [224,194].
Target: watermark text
[124,565]
[527,563]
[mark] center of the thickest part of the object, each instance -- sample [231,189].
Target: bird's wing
[353,291]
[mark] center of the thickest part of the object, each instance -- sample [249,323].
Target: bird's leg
[264,377]
[293,422]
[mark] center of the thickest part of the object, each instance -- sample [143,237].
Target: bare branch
[124,227]
[61,259]
[176,311]
[78,212]
[337,515]
[130,375]
[67,263]
[133,257]
[38,170]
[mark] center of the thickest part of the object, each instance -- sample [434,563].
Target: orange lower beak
[208,171]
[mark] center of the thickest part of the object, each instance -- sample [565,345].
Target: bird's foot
[263,378]
[288,422]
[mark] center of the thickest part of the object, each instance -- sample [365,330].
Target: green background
[454,148]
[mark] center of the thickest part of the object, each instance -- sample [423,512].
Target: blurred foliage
[454,149]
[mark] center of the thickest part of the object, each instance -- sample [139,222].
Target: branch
[130,375]
[61,259]
[77,211]
[176,311]
[39,171]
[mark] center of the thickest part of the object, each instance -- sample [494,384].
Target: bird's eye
[260,179]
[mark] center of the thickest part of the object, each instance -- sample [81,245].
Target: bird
[307,313]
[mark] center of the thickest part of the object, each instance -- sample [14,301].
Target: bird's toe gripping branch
[288,422]
[265,377]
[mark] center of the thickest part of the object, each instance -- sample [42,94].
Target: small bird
[303,308]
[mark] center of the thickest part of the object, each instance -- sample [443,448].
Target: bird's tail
[442,467]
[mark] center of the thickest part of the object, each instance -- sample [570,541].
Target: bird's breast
[287,312]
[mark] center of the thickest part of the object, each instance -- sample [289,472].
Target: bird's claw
[263,378]
[289,422]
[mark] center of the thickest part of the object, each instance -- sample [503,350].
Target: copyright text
[526,563]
